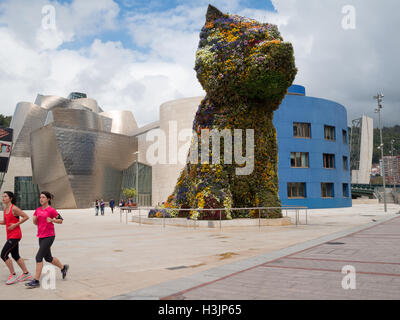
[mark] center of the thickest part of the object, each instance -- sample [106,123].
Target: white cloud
[344,66]
[347,66]
[72,20]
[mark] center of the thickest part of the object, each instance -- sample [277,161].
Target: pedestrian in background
[112,204]
[96,207]
[102,204]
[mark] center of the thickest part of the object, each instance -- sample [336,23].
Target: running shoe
[24,277]
[64,271]
[12,279]
[32,284]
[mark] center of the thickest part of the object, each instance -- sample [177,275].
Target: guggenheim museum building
[78,152]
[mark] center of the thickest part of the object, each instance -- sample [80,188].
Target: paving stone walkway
[314,272]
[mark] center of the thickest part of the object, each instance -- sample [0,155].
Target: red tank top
[10,219]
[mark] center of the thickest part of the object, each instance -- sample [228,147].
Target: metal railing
[261,215]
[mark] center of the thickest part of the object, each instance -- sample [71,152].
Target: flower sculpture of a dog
[245,68]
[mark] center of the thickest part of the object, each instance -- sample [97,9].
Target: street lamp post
[394,177]
[379,98]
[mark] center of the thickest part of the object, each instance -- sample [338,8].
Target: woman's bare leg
[10,266]
[22,265]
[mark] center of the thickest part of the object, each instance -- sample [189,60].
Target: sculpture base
[182,222]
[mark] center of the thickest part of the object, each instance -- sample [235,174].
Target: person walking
[14,235]
[45,217]
[96,207]
[102,204]
[112,205]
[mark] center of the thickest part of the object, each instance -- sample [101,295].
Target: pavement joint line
[339,260]
[381,234]
[182,285]
[330,270]
[380,237]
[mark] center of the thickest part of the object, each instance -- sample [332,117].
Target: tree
[129,193]
[5,121]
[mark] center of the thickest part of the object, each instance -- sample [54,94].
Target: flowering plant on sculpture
[246,68]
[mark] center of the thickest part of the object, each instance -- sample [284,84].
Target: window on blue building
[344,132]
[329,133]
[345,190]
[327,190]
[299,160]
[345,163]
[296,190]
[329,161]
[301,130]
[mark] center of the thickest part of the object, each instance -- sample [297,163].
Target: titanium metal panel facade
[51,102]
[123,122]
[48,168]
[88,162]
[72,150]
[27,118]
[76,118]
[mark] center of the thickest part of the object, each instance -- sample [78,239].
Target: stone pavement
[109,258]
[311,270]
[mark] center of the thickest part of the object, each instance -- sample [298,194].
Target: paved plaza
[110,259]
[315,273]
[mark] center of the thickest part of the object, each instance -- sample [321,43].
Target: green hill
[387,135]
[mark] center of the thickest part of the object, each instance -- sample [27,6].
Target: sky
[136,54]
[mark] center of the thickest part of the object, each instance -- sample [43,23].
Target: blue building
[313,151]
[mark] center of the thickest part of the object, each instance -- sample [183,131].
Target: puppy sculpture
[245,68]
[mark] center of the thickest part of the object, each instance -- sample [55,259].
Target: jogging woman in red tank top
[12,222]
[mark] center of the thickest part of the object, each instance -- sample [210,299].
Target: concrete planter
[183,222]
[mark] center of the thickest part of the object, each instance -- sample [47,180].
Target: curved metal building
[70,148]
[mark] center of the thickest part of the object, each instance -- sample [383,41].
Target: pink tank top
[10,219]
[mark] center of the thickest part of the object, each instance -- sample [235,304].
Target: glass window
[144,186]
[329,133]
[329,161]
[327,190]
[344,136]
[299,160]
[345,165]
[301,130]
[296,190]
[345,190]
[27,193]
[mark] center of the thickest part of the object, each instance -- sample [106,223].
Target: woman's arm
[58,219]
[35,220]
[2,222]
[17,212]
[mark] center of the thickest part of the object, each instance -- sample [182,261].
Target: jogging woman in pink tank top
[44,217]
[12,222]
